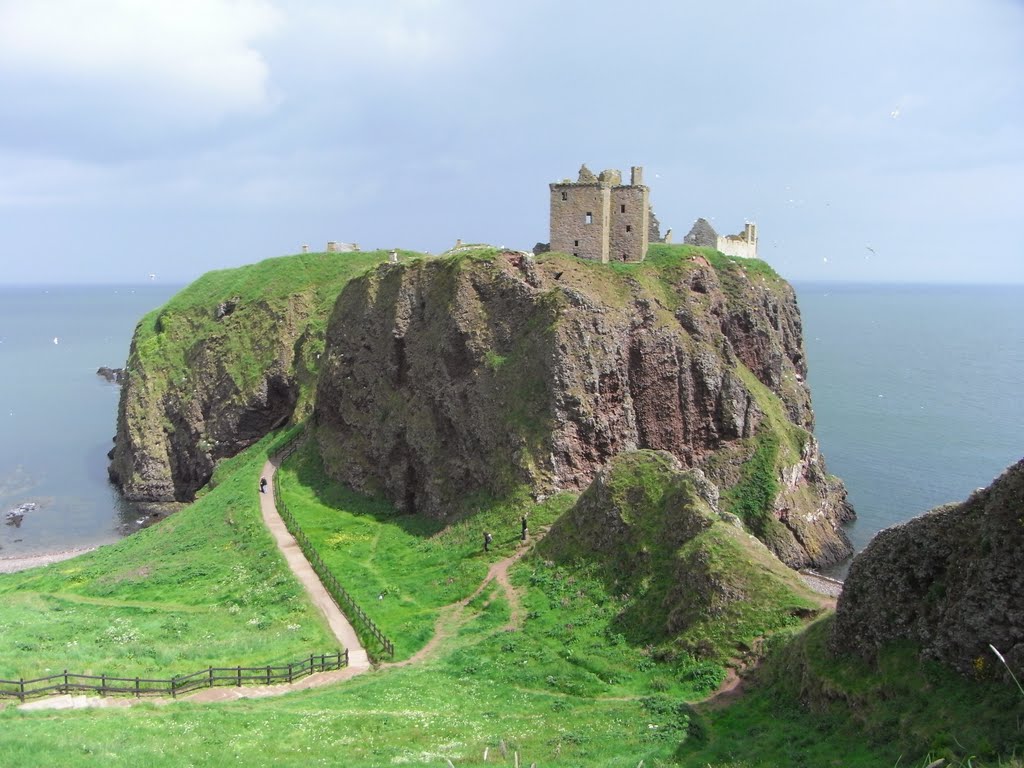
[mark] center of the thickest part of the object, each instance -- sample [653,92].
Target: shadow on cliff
[309,471]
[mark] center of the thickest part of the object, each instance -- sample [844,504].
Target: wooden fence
[341,596]
[105,685]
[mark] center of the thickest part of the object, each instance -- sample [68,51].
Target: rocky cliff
[486,372]
[227,360]
[950,581]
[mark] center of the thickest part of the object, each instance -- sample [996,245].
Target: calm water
[57,415]
[916,391]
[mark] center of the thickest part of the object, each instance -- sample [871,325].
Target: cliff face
[951,581]
[227,360]
[171,431]
[450,377]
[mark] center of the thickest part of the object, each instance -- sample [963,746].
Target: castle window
[623,207]
[576,243]
[565,195]
[629,227]
[590,218]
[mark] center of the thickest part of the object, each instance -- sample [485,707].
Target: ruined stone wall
[580,216]
[629,225]
[741,248]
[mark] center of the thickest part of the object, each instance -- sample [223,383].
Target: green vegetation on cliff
[255,303]
[685,580]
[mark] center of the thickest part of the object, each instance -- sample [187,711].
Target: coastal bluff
[431,380]
[951,581]
[487,372]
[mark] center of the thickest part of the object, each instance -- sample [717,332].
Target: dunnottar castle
[600,218]
[597,217]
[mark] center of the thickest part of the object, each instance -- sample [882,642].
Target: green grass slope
[685,578]
[547,676]
[205,587]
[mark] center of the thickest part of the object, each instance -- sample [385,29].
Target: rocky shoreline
[15,564]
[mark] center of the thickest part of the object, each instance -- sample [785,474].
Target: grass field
[562,687]
[205,587]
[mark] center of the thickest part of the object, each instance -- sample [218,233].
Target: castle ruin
[743,245]
[600,218]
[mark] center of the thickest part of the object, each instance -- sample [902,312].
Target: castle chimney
[636,175]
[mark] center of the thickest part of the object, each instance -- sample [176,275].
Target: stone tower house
[600,218]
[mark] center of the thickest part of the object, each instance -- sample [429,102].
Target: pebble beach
[14,564]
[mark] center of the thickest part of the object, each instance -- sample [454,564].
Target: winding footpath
[358,661]
[450,619]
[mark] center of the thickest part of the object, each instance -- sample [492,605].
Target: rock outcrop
[226,361]
[480,374]
[172,428]
[950,581]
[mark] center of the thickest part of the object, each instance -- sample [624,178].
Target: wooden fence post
[209,672]
[137,694]
[65,681]
[21,689]
[239,677]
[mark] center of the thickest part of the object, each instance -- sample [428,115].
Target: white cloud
[197,55]
[392,34]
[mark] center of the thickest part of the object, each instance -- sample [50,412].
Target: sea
[58,417]
[916,391]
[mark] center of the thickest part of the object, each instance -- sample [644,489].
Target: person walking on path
[263,485]
[487,541]
[525,529]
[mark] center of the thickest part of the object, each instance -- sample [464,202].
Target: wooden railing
[106,685]
[341,596]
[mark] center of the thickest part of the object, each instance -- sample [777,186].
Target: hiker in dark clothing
[263,485]
[525,529]
[487,541]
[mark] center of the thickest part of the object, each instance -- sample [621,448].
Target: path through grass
[204,587]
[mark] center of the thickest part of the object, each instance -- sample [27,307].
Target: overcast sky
[879,140]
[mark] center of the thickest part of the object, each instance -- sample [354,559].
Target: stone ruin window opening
[629,227]
[589,218]
[622,208]
[565,195]
[576,243]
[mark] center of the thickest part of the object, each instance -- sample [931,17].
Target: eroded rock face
[446,378]
[951,581]
[173,428]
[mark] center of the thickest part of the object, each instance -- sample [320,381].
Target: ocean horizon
[914,389]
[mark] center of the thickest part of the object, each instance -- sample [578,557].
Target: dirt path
[452,615]
[358,661]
